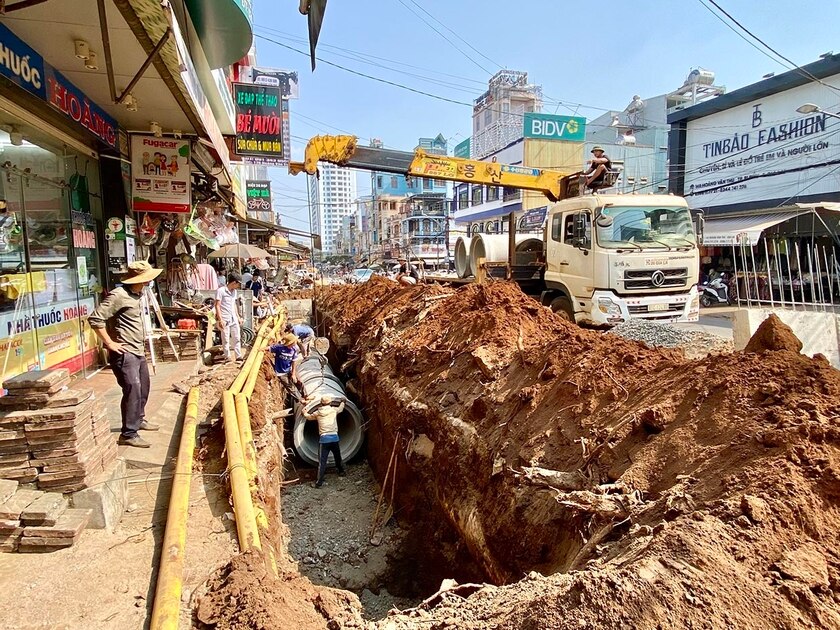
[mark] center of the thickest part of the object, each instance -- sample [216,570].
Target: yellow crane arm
[345,151]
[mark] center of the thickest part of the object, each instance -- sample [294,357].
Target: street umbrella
[239,250]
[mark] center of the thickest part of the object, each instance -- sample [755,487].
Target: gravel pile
[695,343]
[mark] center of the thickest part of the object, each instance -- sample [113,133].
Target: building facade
[332,196]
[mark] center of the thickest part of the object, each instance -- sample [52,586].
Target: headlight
[608,307]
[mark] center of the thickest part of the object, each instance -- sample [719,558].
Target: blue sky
[597,55]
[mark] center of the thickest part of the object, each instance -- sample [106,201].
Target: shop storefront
[51,222]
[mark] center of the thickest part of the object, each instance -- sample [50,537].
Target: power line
[495,63]
[795,66]
[449,41]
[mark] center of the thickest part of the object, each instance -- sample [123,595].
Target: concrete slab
[818,331]
[107,498]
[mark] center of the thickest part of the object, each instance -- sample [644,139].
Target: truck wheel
[563,307]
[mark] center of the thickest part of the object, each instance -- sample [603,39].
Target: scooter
[714,292]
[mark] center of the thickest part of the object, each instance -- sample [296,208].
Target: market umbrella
[239,250]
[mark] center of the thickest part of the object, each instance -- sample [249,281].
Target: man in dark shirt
[407,273]
[122,312]
[598,167]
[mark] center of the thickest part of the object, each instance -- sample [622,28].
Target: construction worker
[286,359]
[305,335]
[122,312]
[407,273]
[598,167]
[326,413]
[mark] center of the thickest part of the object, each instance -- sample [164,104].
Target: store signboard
[258,193]
[764,151]
[286,80]
[554,127]
[25,67]
[259,121]
[462,149]
[533,219]
[160,174]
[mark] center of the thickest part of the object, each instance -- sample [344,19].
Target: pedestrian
[229,317]
[256,285]
[305,335]
[326,413]
[118,322]
[286,360]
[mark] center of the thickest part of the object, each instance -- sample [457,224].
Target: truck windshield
[647,227]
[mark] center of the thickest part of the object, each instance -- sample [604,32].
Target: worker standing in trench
[286,359]
[305,335]
[326,413]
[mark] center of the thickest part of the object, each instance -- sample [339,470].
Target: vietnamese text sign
[286,80]
[259,120]
[258,193]
[553,127]
[763,151]
[160,174]
[25,67]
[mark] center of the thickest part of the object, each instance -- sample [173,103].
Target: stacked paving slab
[57,437]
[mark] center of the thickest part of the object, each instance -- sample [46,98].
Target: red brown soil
[773,335]
[655,491]
[245,594]
[297,294]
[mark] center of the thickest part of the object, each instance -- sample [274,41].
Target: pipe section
[462,257]
[494,247]
[170,580]
[319,380]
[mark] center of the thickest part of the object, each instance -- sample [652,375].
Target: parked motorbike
[715,292]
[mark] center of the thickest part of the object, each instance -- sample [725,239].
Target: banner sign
[25,67]
[160,174]
[554,127]
[258,193]
[259,120]
[533,219]
[286,80]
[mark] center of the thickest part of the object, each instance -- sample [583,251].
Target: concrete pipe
[462,257]
[494,247]
[350,421]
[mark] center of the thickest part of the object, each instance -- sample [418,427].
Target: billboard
[286,80]
[462,149]
[553,127]
[160,174]
[258,193]
[259,121]
[763,151]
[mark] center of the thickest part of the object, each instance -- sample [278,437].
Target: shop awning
[273,227]
[224,28]
[745,230]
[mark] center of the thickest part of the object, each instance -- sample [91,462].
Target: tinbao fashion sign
[259,120]
[25,67]
[763,151]
[160,174]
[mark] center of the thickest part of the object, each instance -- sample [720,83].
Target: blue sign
[25,67]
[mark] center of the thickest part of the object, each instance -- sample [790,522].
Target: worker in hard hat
[598,167]
[326,413]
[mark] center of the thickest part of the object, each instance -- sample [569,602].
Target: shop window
[492,193]
[477,195]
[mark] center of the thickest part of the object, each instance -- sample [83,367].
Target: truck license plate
[657,307]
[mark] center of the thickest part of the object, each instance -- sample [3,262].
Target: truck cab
[610,258]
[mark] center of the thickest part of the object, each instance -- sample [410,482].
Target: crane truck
[606,258]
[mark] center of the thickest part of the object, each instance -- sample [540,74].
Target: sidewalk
[105,580]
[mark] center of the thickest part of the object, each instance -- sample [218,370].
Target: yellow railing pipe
[243,505]
[170,583]
[239,381]
[249,451]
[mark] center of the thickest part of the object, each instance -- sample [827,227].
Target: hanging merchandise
[11,234]
[79,193]
[196,229]
[149,232]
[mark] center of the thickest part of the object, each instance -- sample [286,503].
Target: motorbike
[714,292]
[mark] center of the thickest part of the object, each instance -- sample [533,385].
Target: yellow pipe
[167,606]
[243,505]
[239,381]
[253,375]
[249,451]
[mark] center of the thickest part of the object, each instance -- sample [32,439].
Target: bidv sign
[552,127]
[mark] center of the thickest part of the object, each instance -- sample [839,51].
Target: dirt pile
[654,490]
[773,335]
[245,594]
